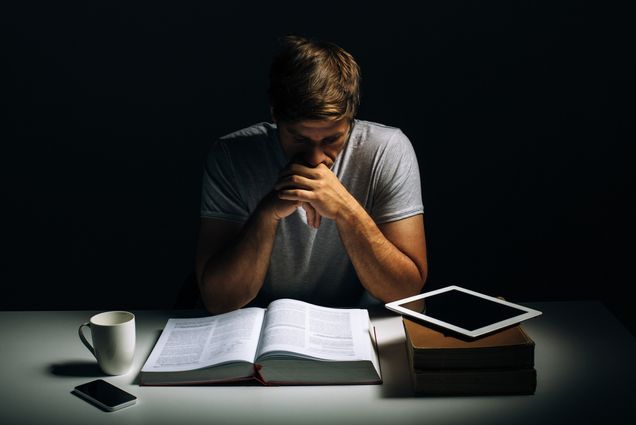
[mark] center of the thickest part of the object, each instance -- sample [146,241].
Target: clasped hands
[316,189]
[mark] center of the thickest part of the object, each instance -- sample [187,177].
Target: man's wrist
[265,213]
[350,213]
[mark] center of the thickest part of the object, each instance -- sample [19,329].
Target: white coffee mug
[113,335]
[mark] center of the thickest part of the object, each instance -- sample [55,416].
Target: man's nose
[314,156]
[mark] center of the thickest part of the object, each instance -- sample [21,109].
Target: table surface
[584,359]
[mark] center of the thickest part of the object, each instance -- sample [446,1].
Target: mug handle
[83,338]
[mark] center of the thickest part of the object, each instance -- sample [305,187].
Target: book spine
[517,357]
[481,382]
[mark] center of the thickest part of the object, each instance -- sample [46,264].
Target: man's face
[312,142]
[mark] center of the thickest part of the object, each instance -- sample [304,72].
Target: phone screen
[105,395]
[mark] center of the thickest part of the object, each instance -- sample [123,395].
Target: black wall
[521,114]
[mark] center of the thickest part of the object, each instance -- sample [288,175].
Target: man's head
[313,80]
[314,95]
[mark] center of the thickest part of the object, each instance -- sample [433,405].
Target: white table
[584,359]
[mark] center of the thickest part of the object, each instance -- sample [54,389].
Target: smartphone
[105,395]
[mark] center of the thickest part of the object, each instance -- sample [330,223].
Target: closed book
[428,348]
[474,382]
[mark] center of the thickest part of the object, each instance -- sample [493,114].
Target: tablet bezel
[525,314]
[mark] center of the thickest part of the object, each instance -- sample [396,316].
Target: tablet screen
[462,310]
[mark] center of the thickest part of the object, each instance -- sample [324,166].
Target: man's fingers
[310,212]
[281,208]
[293,181]
[313,218]
[301,170]
[296,195]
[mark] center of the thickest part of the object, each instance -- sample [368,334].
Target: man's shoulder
[375,126]
[373,134]
[256,140]
[255,132]
[252,147]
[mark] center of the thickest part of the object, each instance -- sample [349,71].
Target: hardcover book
[289,343]
[474,381]
[432,349]
[497,364]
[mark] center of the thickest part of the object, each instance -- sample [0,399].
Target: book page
[308,330]
[187,344]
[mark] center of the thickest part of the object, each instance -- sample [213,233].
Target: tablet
[461,310]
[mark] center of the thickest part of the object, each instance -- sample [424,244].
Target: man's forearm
[385,271]
[232,277]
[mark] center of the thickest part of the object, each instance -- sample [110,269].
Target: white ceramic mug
[113,335]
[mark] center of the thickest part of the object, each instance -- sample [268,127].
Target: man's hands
[281,208]
[316,189]
[390,259]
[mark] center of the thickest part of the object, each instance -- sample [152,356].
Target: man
[318,206]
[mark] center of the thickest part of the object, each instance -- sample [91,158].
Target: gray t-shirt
[377,166]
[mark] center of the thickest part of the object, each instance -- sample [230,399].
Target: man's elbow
[423,276]
[217,301]
[214,306]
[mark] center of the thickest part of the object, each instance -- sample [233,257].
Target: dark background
[521,115]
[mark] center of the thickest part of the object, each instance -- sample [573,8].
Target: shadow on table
[137,379]
[82,368]
[395,371]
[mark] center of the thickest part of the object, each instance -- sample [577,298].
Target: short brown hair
[312,79]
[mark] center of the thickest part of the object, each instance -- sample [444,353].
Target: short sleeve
[220,193]
[398,193]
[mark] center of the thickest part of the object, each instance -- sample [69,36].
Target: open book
[289,343]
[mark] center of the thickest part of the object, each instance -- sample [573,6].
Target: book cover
[429,348]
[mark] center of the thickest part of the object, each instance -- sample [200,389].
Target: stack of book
[499,363]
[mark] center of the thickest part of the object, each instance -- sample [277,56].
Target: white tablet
[461,310]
